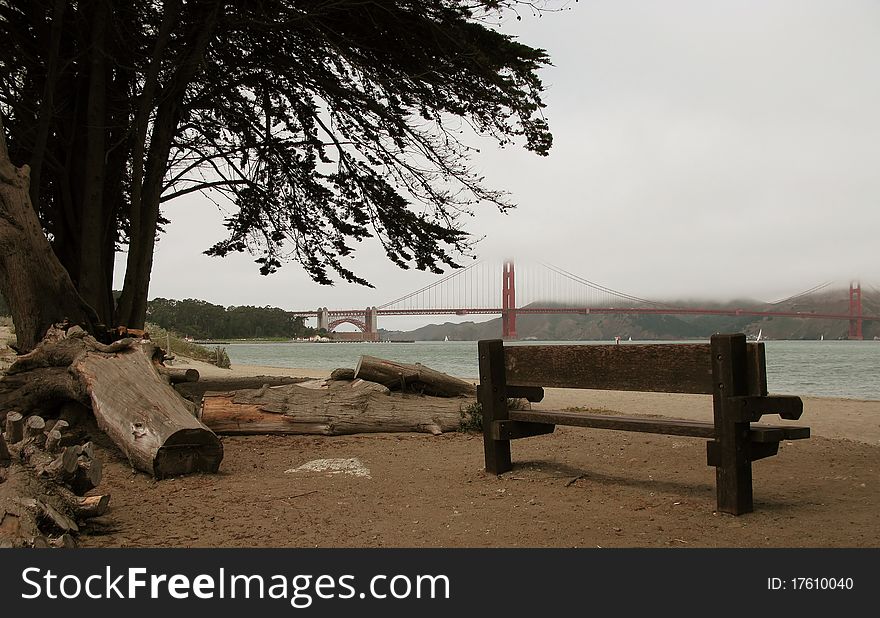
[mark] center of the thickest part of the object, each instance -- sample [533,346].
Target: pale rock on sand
[352,466]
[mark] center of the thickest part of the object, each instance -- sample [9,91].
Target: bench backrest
[668,368]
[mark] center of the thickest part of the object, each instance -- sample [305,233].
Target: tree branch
[201,187]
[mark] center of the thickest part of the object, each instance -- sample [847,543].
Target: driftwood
[176,375]
[342,373]
[131,400]
[412,378]
[41,501]
[336,409]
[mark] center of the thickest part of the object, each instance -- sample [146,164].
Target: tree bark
[47,105]
[89,279]
[340,408]
[36,286]
[415,378]
[131,401]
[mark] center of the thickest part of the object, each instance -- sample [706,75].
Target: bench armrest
[750,409]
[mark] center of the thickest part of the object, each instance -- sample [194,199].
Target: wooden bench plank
[641,424]
[675,427]
[672,368]
[665,368]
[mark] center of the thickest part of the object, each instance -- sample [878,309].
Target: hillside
[665,327]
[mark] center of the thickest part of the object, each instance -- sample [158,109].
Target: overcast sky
[710,149]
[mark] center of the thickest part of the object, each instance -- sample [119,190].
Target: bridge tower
[855,311]
[508,302]
[323,319]
[371,322]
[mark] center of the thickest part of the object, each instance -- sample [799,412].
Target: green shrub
[221,358]
[471,417]
[178,345]
[472,414]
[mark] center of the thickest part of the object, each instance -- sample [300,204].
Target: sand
[574,488]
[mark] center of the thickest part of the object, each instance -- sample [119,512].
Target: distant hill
[664,327]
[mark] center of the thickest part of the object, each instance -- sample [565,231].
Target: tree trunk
[89,278]
[337,409]
[132,307]
[131,401]
[36,286]
[416,378]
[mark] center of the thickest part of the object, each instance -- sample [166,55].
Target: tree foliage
[203,320]
[314,124]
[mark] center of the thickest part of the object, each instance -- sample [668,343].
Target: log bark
[339,408]
[412,378]
[132,403]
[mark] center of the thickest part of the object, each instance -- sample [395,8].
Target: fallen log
[337,409]
[147,419]
[412,378]
[177,375]
[132,403]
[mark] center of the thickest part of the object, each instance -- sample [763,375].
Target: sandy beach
[573,488]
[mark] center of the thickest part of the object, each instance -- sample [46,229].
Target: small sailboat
[758,337]
[822,337]
[446,338]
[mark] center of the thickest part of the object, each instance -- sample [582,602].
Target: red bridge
[474,290]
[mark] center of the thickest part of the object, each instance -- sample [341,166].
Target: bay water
[845,369]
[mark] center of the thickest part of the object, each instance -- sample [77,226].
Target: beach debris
[43,485]
[335,408]
[128,390]
[342,373]
[415,378]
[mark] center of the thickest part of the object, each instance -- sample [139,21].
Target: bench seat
[670,426]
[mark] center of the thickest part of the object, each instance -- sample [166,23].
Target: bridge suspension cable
[812,290]
[596,286]
[473,289]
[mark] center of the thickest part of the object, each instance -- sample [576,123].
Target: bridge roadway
[337,313]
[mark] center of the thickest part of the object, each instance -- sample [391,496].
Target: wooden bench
[730,369]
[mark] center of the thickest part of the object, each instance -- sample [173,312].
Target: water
[847,369]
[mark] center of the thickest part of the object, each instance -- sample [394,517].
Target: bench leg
[497,453]
[492,396]
[733,477]
[733,472]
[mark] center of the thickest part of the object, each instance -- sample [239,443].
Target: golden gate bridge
[549,290]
